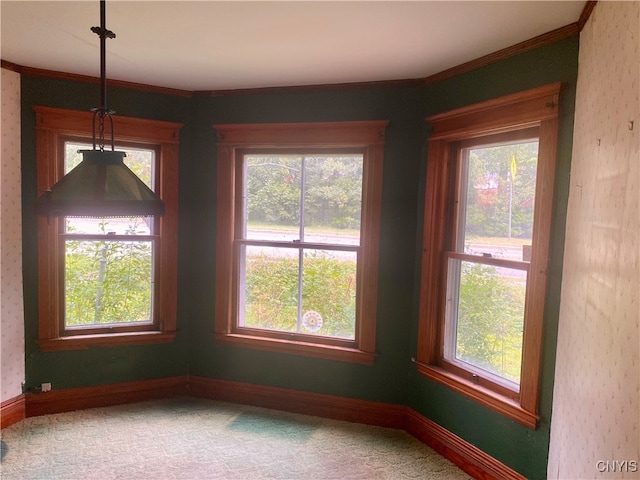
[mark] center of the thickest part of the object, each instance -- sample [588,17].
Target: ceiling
[216,45]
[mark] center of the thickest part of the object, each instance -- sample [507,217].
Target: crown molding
[39,72]
[586,13]
[539,41]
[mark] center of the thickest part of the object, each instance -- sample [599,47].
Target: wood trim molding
[82,342]
[69,399]
[298,401]
[510,112]
[483,396]
[519,112]
[53,126]
[366,136]
[293,347]
[322,134]
[333,87]
[539,41]
[468,457]
[14,67]
[586,13]
[133,129]
[12,411]
[39,72]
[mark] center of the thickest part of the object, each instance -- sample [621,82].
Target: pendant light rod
[102,111]
[101,185]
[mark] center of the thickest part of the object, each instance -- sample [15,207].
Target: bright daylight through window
[298,234]
[299,243]
[108,275]
[112,280]
[488,264]
[487,224]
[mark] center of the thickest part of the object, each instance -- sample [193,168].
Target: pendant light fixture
[101,185]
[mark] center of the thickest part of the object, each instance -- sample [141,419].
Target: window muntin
[485,299]
[108,279]
[517,118]
[299,241]
[157,142]
[351,240]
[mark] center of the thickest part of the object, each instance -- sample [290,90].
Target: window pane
[269,297]
[272,200]
[333,199]
[107,282]
[498,184]
[324,192]
[142,163]
[320,301]
[109,226]
[329,293]
[301,199]
[485,317]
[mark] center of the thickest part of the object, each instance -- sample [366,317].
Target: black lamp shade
[100,186]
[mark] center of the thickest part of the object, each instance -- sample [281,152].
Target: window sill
[330,352]
[78,342]
[498,403]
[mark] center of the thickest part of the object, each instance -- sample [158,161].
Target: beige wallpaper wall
[596,407]
[11,306]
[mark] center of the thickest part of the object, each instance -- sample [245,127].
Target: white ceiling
[215,45]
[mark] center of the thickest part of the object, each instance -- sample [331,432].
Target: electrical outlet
[46,387]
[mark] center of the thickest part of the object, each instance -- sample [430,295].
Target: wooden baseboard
[469,458]
[297,401]
[57,401]
[12,411]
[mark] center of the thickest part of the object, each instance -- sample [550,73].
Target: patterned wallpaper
[596,407]
[11,306]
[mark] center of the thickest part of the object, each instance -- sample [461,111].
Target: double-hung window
[297,244]
[107,281]
[486,247]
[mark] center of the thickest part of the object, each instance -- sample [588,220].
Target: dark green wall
[393,377]
[522,449]
[95,366]
[386,380]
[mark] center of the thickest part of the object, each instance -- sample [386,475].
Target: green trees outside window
[329,289]
[107,282]
[484,320]
[300,240]
[490,320]
[108,262]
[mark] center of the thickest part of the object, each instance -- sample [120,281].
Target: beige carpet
[190,438]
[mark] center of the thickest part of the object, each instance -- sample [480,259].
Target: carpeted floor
[190,438]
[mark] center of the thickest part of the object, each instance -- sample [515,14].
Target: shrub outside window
[108,262]
[299,241]
[297,244]
[486,246]
[107,281]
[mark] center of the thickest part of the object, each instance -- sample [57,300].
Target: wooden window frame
[54,126]
[366,136]
[536,108]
